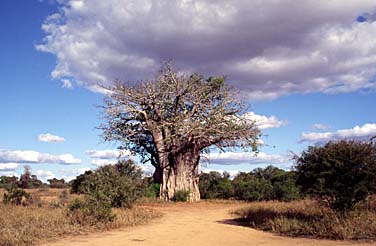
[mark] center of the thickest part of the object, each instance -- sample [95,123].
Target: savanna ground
[203,223]
[47,219]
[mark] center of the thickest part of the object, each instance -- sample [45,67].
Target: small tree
[340,173]
[25,179]
[121,184]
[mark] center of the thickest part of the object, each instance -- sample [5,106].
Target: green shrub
[152,190]
[93,209]
[181,196]
[250,188]
[17,196]
[120,183]
[213,185]
[339,174]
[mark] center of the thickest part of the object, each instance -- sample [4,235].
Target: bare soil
[199,224]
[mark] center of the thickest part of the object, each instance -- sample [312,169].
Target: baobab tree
[171,120]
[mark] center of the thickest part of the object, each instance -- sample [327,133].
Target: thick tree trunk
[158,175]
[181,175]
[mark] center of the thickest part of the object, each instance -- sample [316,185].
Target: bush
[17,196]
[120,183]
[250,188]
[181,196]
[339,174]
[213,185]
[152,190]
[94,208]
[7,182]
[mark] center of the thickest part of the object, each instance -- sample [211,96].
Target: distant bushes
[270,183]
[27,180]
[214,185]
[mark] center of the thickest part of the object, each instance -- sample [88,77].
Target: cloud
[364,132]
[235,158]
[107,154]
[30,156]
[67,84]
[321,127]
[267,48]
[8,166]
[69,174]
[8,173]
[45,175]
[264,122]
[50,138]
[103,162]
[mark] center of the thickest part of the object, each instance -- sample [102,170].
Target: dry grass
[307,218]
[48,220]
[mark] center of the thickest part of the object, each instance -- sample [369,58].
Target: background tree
[270,183]
[28,180]
[340,173]
[171,120]
[25,179]
[214,185]
[8,182]
[57,183]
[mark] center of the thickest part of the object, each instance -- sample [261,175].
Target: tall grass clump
[310,219]
[21,226]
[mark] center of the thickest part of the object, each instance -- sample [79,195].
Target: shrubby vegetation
[339,174]
[17,196]
[270,183]
[310,218]
[214,185]
[27,180]
[120,184]
[49,219]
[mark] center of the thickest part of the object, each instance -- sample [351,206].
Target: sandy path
[198,225]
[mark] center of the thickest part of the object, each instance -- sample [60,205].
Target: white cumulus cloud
[103,162]
[8,166]
[321,127]
[235,158]
[107,154]
[44,174]
[67,84]
[30,156]
[264,122]
[50,138]
[364,132]
[267,48]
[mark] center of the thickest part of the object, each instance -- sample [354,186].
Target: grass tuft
[49,220]
[310,219]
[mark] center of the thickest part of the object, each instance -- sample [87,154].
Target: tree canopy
[340,173]
[172,119]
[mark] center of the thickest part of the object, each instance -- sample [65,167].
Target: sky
[307,69]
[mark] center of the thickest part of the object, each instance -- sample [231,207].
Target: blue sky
[309,77]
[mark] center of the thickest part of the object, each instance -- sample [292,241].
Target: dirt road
[193,224]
